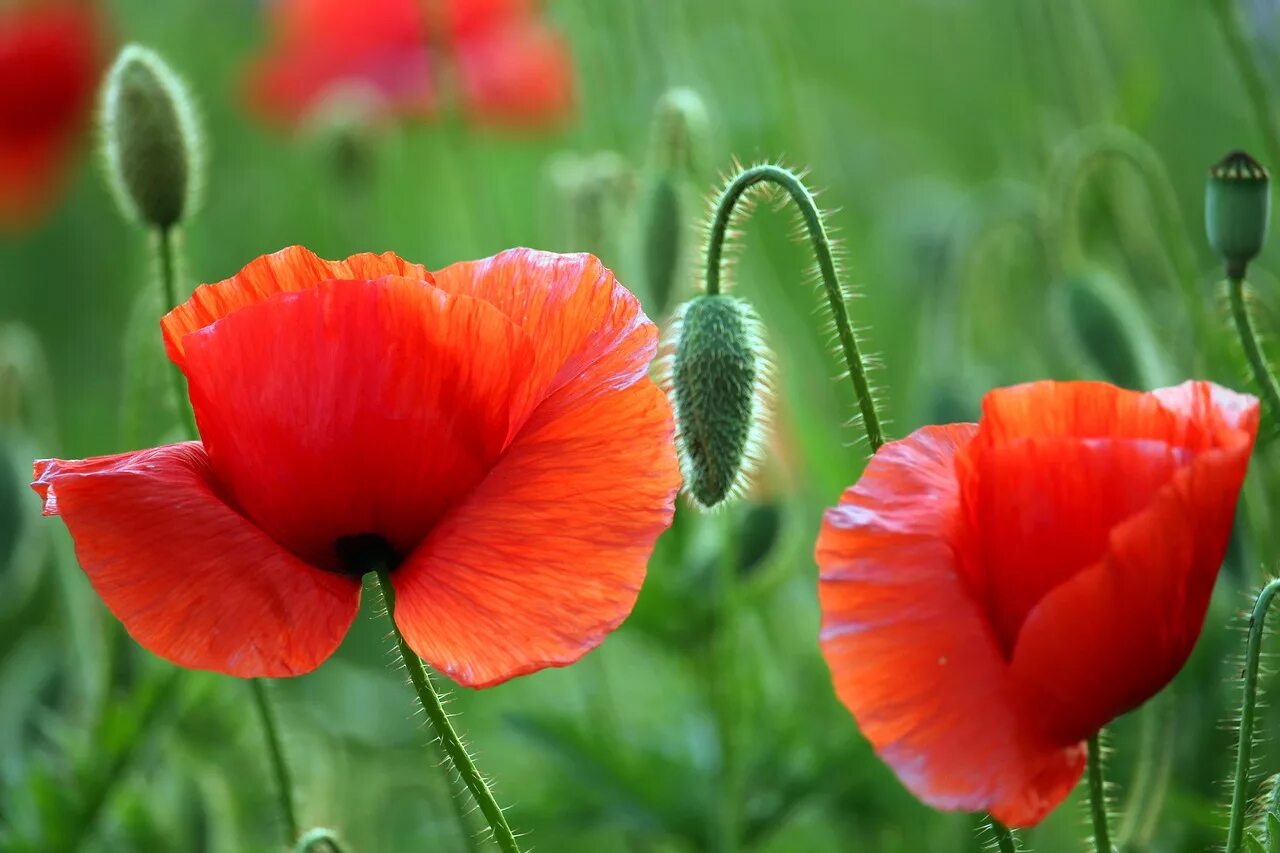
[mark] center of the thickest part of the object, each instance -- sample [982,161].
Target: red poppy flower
[993,594]
[509,66]
[489,430]
[52,48]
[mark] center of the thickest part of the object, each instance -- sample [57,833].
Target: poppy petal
[517,74]
[191,579]
[911,653]
[572,308]
[288,270]
[1145,599]
[356,407]
[547,555]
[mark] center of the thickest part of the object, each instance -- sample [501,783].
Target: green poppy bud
[150,139]
[718,382]
[1237,208]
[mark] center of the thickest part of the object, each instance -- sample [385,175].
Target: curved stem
[1005,842]
[1248,705]
[444,729]
[789,181]
[1262,376]
[1098,799]
[166,260]
[166,257]
[280,768]
[1250,74]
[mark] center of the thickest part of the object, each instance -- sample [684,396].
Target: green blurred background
[950,138]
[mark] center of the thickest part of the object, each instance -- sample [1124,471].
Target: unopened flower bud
[718,382]
[1237,209]
[151,139]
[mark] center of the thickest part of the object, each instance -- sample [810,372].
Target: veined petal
[911,653]
[191,579]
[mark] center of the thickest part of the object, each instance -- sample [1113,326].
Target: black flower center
[360,553]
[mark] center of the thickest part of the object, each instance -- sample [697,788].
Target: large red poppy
[489,430]
[508,65]
[993,594]
[49,57]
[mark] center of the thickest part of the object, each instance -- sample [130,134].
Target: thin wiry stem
[279,767]
[1005,842]
[1248,706]
[1098,799]
[167,262]
[1255,83]
[166,257]
[444,729]
[821,241]
[1262,376]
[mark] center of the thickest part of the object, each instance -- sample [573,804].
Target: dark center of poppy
[360,553]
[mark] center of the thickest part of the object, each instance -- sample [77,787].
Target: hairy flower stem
[279,767]
[166,259]
[813,222]
[1005,842]
[1255,84]
[1248,706]
[1098,799]
[1262,376]
[449,739]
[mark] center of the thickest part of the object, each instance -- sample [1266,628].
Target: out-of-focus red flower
[993,594]
[488,432]
[506,64]
[50,54]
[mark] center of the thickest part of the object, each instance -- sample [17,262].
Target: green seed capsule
[150,139]
[1237,209]
[718,380]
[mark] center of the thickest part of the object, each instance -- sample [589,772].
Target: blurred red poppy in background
[497,58]
[993,594]
[488,433]
[50,56]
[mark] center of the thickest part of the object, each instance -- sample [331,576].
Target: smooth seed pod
[1237,210]
[718,383]
[150,139]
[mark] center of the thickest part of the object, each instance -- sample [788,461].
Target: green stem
[166,256]
[1247,65]
[444,729]
[1248,705]
[284,783]
[1262,376]
[166,260]
[1005,842]
[812,215]
[1098,799]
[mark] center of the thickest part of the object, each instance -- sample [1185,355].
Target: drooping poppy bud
[151,139]
[1105,330]
[1237,210]
[718,382]
[665,232]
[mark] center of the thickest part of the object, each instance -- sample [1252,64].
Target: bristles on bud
[718,377]
[150,139]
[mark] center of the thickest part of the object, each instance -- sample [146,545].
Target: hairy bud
[151,140]
[718,382]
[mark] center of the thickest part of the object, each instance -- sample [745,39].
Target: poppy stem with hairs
[1248,705]
[284,783]
[167,262]
[818,235]
[1255,84]
[444,729]
[1005,842]
[1262,376]
[1098,798]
